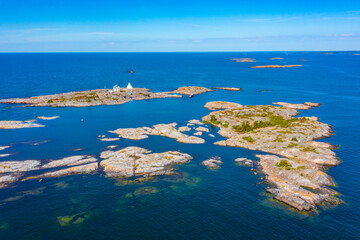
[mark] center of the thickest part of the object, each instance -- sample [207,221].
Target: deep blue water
[229,203]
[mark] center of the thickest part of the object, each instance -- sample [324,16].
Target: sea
[196,203]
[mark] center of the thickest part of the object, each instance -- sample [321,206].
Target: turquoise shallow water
[229,203]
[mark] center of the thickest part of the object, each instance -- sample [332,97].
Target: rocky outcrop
[300,187]
[19,166]
[166,130]
[244,161]
[136,161]
[8,178]
[276,66]
[220,105]
[70,161]
[213,162]
[19,124]
[275,130]
[191,90]
[276,58]
[82,169]
[243,59]
[109,139]
[195,121]
[3,147]
[228,88]
[305,106]
[202,129]
[47,118]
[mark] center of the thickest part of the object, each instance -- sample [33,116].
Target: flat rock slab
[228,88]
[276,66]
[136,161]
[192,90]
[19,124]
[304,106]
[47,118]
[165,130]
[243,59]
[220,105]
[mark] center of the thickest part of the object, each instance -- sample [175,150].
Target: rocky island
[295,168]
[276,66]
[99,97]
[125,163]
[243,59]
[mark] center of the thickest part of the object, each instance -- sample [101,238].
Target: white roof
[129,86]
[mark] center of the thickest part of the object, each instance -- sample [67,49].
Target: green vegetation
[294,139]
[308,149]
[291,145]
[249,139]
[278,139]
[284,164]
[274,120]
[50,101]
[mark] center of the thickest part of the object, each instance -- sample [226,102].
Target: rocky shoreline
[99,97]
[276,66]
[298,177]
[125,163]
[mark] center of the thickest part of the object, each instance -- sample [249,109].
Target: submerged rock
[136,161]
[145,191]
[244,161]
[19,124]
[213,162]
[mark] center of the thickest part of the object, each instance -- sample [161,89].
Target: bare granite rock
[166,130]
[244,161]
[82,169]
[19,124]
[219,105]
[202,129]
[275,130]
[243,59]
[184,129]
[304,106]
[3,147]
[228,88]
[195,121]
[191,90]
[47,118]
[70,161]
[19,166]
[213,162]
[136,161]
[109,139]
[276,66]
[198,133]
[7,179]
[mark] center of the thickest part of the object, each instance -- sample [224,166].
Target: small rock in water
[213,162]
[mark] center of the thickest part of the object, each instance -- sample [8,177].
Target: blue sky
[152,26]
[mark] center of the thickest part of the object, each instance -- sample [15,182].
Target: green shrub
[249,139]
[294,139]
[50,101]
